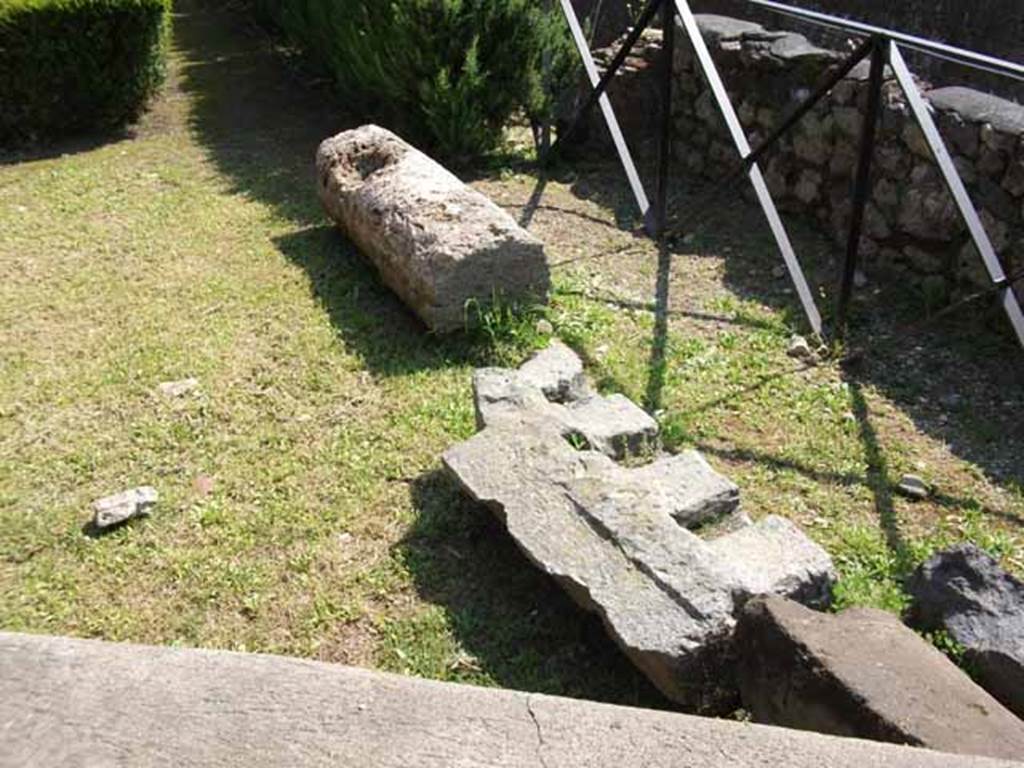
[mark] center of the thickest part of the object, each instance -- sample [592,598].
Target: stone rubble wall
[994,27]
[912,228]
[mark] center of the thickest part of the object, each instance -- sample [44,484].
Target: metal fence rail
[883,46]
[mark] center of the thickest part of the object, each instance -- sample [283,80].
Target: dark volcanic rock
[862,673]
[966,593]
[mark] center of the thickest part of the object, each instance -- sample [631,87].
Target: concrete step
[76,703]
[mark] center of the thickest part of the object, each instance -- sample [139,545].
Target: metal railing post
[660,224]
[862,183]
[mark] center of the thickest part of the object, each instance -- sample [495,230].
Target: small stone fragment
[175,389]
[800,349]
[913,487]
[121,507]
[544,327]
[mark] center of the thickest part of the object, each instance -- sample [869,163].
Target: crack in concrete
[540,733]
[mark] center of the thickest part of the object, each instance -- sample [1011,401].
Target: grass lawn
[302,507]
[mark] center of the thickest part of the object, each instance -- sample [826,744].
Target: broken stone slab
[499,396]
[964,592]
[527,478]
[606,534]
[774,557]
[121,507]
[863,673]
[682,486]
[551,388]
[438,244]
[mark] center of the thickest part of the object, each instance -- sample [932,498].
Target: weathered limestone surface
[82,703]
[436,243]
[964,591]
[616,538]
[863,673]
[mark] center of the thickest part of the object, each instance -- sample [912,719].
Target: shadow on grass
[260,117]
[521,628]
[389,339]
[28,153]
[958,379]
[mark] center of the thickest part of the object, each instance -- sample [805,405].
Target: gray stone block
[122,507]
[774,557]
[979,107]
[613,425]
[556,371]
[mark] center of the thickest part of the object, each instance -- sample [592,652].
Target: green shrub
[68,66]
[447,73]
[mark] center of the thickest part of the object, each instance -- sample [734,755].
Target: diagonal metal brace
[739,138]
[956,187]
[606,108]
[613,69]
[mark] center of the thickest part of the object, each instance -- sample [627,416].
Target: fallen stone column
[436,243]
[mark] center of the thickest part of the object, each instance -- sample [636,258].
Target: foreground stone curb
[78,703]
[438,244]
[863,673]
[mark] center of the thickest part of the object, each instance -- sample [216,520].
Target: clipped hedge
[448,74]
[69,66]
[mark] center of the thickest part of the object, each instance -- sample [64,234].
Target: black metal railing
[883,47]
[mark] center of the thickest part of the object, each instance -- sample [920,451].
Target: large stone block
[862,673]
[965,592]
[436,243]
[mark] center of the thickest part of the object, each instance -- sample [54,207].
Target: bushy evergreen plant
[68,66]
[449,74]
